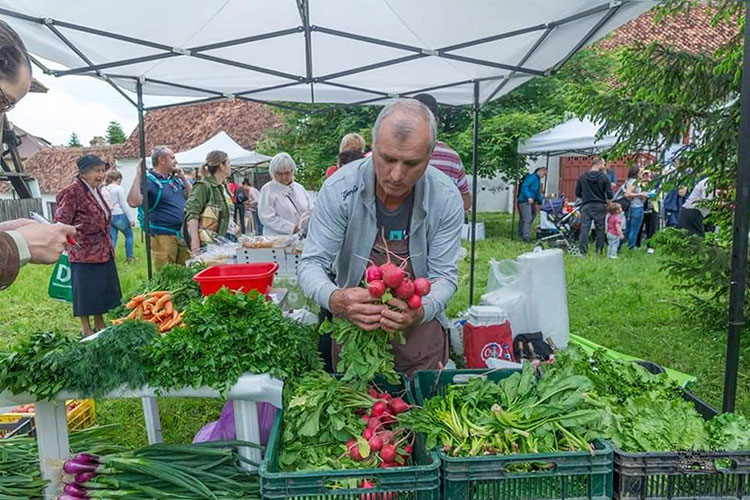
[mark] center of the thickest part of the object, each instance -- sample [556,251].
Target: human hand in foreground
[46,241]
[400,317]
[355,304]
[13,225]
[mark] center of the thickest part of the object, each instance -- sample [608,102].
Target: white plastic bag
[503,274]
[513,302]
[547,298]
[456,336]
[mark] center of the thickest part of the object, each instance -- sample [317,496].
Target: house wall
[496,195]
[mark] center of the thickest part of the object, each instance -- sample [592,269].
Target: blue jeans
[120,223]
[258,223]
[635,219]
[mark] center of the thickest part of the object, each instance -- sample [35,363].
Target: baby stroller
[566,219]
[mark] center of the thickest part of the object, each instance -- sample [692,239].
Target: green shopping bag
[60,284]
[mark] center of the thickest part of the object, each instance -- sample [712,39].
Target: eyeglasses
[7,104]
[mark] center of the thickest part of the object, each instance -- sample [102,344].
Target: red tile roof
[690,32]
[55,168]
[185,127]
[180,128]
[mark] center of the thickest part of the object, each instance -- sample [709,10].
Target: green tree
[538,104]
[115,134]
[313,139]
[663,94]
[73,141]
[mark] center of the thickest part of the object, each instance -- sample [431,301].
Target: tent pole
[144,180]
[474,157]
[514,196]
[738,273]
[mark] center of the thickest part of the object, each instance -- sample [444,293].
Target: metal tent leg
[144,180]
[474,157]
[738,273]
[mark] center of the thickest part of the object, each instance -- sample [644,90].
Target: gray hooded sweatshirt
[343,230]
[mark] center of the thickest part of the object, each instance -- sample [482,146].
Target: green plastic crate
[570,475]
[416,482]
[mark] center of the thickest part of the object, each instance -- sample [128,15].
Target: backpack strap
[160,183]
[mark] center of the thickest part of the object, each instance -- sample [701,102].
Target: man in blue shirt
[529,194]
[168,190]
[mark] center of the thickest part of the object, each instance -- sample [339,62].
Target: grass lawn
[627,304]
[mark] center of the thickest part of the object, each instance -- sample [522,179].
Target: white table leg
[153,422]
[246,426]
[52,438]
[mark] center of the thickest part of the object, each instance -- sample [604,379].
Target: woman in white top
[693,212]
[284,206]
[120,221]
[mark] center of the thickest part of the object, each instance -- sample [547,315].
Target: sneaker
[613,256]
[650,251]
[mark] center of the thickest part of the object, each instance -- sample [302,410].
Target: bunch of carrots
[155,307]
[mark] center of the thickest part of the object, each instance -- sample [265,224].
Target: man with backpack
[239,197]
[168,190]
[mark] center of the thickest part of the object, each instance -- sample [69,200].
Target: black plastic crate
[682,475]
[706,410]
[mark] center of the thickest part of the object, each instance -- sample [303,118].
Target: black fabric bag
[621,200]
[531,346]
[240,196]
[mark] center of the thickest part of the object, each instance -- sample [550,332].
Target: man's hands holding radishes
[400,317]
[358,306]
[391,301]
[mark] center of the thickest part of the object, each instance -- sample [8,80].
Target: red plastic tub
[244,277]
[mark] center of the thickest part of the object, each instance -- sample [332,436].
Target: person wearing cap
[445,158]
[22,241]
[96,286]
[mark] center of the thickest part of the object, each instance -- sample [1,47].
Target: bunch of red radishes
[392,277]
[392,445]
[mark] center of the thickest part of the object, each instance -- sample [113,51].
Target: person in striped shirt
[444,158]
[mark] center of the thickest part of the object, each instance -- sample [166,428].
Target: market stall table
[52,429]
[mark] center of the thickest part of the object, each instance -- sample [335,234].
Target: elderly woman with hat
[96,287]
[284,206]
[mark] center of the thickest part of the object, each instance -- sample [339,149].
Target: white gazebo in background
[239,157]
[573,137]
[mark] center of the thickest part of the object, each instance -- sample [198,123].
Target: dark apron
[426,344]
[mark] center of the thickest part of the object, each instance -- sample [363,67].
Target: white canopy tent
[336,51]
[238,156]
[312,51]
[344,51]
[573,136]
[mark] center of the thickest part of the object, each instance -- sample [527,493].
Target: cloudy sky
[79,104]
[73,103]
